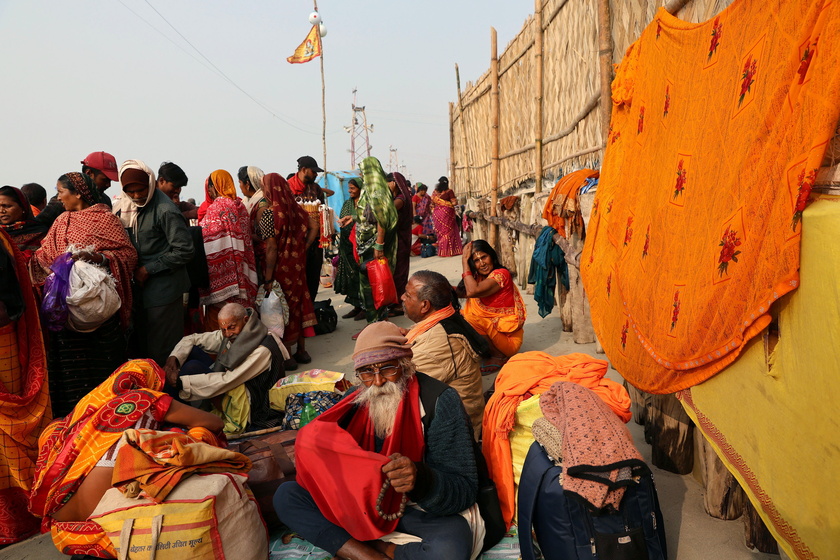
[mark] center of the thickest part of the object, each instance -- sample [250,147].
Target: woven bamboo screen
[571,134]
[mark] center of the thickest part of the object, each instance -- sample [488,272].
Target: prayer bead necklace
[379,500]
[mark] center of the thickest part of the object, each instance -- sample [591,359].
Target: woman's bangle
[379,246]
[467,273]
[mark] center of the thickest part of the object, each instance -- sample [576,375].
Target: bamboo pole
[538,100]
[494,111]
[464,147]
[452,178]
[605,57]
[675,6]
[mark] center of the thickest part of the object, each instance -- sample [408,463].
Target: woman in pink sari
[446,223]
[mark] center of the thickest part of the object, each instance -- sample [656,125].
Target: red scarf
[342,473]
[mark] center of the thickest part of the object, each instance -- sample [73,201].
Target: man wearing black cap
[303,185]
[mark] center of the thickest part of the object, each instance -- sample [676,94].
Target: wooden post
[494,157]
[605,47]
[464,147]
[452,179]
[538,99]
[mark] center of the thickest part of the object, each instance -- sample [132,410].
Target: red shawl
[291,223]
[344,476]
[94,226]
[226,229]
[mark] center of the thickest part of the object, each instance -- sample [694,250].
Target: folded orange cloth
[158,461]
[563,202]
[533,373]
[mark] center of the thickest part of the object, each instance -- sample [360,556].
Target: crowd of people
[190,281]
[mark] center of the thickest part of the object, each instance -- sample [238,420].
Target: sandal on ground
[290,365]
[302,357]
[355,336]
[361,315]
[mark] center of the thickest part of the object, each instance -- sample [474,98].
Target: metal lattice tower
[359,139]
[393,159]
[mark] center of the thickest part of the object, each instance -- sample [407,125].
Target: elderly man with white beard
[390,471]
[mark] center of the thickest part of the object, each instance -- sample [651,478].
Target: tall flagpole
[323,97]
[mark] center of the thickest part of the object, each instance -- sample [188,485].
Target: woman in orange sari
[24,395]
[494,306]
[75,462]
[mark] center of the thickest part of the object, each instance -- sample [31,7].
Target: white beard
[382,404]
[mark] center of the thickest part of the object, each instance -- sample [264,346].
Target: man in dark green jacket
[162,239]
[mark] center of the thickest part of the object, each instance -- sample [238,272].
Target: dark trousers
[159,329]
[314,261]
[443,536]
[197,362]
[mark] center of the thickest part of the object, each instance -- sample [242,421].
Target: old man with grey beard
[248,363]
[445,345]
[396,455]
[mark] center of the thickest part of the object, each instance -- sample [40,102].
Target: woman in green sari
[347,276]
[376,230]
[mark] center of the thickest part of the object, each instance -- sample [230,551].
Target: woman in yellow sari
[74,465]
[494,307]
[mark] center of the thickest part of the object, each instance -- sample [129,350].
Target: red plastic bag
[381,283]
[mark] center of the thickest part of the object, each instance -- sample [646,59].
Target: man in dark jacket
[378,437]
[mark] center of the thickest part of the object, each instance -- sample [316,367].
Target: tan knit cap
[380,342]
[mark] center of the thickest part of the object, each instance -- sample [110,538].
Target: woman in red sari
[494,306]
[446,222]
[24,395]
[79,361]
[294,231]
[17,220]
[226,229]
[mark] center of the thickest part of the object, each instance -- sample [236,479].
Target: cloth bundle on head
[84,187]
[127,208]
[380,342]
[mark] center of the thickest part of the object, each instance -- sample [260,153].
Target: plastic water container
[308,412]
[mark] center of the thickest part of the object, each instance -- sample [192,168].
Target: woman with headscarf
[79,361]
[295,230]
[18,221]
[164,248]
[347,276]
[24,395]
[376,230]
[405,216]
[226,229]
[423,208]
[444,202]
[262,230]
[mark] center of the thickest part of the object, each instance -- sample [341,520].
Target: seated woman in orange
[494,306]
[76,457]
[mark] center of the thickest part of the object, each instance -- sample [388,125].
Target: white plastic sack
[93,297]
[274,311]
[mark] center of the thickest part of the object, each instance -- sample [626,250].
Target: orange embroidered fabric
[717,132]
[533,373]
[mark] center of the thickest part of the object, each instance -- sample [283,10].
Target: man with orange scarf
[445,345]
[402,436]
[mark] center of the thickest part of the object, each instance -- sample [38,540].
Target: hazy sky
[86,75]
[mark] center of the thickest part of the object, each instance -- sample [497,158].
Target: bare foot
[355,550]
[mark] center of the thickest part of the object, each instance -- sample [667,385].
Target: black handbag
[326,316]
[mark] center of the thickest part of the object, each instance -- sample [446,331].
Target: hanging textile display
[717,132]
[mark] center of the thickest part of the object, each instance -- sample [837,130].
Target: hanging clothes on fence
[548,263]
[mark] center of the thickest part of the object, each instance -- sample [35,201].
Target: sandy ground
[691,533]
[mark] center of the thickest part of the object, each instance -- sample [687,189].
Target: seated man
[445,346]
[249,362]
[401,431]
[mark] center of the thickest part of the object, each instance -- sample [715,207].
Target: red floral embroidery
[682,177]
[728,242]
[667,101]
[747,78]
[717,30]
[641,125]
[628,231]
[595,207]
[624,330]
[647,243]
[609,284]
[805,62]
[806,183]
[613,136]
[675,314]
[609,207]
[658,28]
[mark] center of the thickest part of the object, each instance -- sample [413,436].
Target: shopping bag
[92,298]
[54,307]
[381,283]
[274,310]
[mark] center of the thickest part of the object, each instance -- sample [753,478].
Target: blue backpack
[566,529]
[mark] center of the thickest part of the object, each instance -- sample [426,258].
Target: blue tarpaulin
[337,182]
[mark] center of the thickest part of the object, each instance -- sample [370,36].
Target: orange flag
[309,49]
